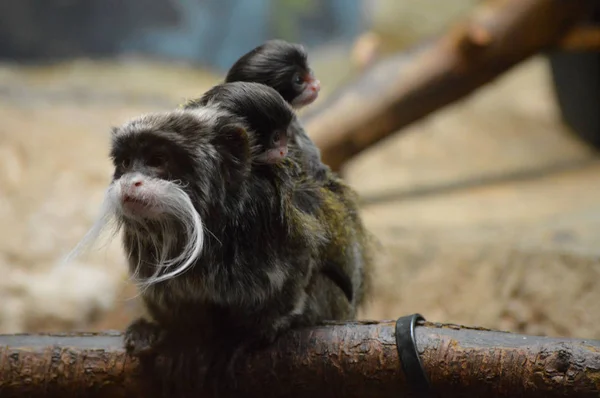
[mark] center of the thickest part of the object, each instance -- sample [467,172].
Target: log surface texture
[356,359]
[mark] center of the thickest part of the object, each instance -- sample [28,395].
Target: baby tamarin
[284,67]
[265,111]
[221,242]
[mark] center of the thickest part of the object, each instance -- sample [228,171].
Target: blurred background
[517,250]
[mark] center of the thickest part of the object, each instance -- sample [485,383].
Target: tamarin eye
[276,137]
[298,79]
[156,160]
[125,163]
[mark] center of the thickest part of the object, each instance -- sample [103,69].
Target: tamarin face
[161,156]
[173,171]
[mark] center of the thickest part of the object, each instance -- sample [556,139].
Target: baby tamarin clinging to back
[264,110]
[221,242]
[284,67]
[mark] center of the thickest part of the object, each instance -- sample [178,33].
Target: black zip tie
[410,359]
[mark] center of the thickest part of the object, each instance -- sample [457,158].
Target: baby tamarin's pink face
[307,86]
[277,148]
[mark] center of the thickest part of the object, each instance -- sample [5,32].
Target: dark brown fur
[230,298]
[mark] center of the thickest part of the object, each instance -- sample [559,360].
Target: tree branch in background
[357,359]
[407,87]
[581,38]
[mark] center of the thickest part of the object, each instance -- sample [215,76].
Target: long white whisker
[155,239]
[184,210]
[107,221]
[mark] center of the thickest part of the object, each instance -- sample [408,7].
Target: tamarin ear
[234,141]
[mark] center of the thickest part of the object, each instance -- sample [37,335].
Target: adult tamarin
[223,245]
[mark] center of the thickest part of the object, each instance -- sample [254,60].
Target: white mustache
[167,198]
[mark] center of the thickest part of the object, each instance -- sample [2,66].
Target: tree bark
[407,87]
[357,359]
[581,38]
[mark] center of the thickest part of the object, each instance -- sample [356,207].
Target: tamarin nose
[137,184]
[316,86]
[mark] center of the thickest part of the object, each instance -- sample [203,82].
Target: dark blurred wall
[211,32]
[54,29]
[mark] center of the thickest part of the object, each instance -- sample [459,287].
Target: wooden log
[407,87]
[356,359]
[581,38]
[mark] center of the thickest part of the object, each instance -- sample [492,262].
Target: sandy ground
[515,251]
[489,214]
